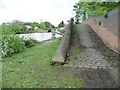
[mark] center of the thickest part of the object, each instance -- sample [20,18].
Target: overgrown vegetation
[14,44]
[19,27]
[30,42]
[14,27]
[32,69]
[11,43]
[85,9]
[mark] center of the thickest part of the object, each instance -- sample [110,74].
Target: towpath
[93,63]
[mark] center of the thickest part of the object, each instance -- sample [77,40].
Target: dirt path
[90,63]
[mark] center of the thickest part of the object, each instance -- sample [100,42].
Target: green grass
[75,53]
[31,69]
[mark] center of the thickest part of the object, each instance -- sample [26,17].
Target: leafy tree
[28,23]
[33,25]
[85,9]
[42,25]
[13,27]
[17,27]
[5,30]
[61,24]
[48,24]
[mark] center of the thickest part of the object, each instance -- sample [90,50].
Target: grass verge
[32,69]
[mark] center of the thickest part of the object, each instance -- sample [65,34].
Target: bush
[30,42]
[6,30]
[11,44]
[13,28]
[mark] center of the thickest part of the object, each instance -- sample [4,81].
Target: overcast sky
[35,10]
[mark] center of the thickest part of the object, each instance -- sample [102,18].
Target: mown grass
[32,69]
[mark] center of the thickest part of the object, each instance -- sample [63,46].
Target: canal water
[39,36]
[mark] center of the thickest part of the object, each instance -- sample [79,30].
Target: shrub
[11,44]
[6,30]
[13,28]
[30,42]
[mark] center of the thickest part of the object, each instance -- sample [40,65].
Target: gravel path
[89,57]
[91,65]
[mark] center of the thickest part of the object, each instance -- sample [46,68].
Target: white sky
[53,11]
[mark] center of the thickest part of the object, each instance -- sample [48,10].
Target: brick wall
[107,29]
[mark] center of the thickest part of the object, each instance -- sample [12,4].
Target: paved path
[91,64]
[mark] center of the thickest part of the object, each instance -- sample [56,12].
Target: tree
[48,24]
[17,27]
[6,30]
[33,25]
[28,23]
[42,25]
[77,9]
[85,9]
[61,24]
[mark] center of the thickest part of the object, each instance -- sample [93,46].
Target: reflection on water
[39,36]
